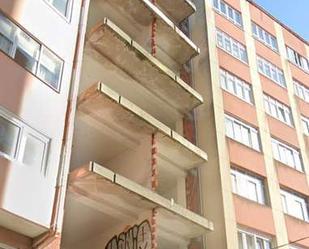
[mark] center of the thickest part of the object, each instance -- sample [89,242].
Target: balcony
[121,55]
[106,203]
[114,131]
[178,10]
[136,17]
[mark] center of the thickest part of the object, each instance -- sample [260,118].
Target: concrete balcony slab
[177,10]
[168,36]
[119,201]
[112,43]
[131,122]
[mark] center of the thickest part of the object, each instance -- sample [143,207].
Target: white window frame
[278,147]
[305,124]
[255,237]
[228,44]
[228,7]
[241,188]
[15,30]
[24,131]
[275,73]
[301,90]
[226,78]
[253,134]
[261,35]
[278,110]
[67,17]
[297,59]
[289,199]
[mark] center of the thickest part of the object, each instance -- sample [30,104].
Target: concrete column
[272,180]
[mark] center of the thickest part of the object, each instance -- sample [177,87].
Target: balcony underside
[169,37]
[108,41]
[131,123]
[109,200]
[178,10]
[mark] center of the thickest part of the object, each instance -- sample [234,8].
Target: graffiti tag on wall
[137,237]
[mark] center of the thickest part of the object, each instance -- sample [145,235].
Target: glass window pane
[235,50]
[27,51]
[223,79]
[238,18]
[7,30]
[299,210]
[229,127]
[223,7]
[228,45]
[34,151]
[216,4]
[259,243]
[252,191]
[240,241]
[230,13]
[275,149]
[245,134]
[220,39]
[50,69]
[61,5]
[250,241]
[237,132]
[9,134]
[255,140]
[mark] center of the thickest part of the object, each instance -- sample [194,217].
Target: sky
[293,13]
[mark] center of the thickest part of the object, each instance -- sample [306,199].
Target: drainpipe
[64,166]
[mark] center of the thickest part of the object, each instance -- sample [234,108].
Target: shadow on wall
[14,81]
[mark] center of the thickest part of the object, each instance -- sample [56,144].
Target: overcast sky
[293,13]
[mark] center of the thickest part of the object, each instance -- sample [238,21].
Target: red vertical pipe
[153,33]
[154,169]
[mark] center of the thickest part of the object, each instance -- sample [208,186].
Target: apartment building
[134,174]
[253,73]
[37,49]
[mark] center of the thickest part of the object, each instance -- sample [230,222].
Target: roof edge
[278,21]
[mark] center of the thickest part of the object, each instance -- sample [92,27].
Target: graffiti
[137,237]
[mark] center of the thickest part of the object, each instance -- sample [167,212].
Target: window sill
[289,216]
[34,75]
[267,77]
[251,201]
[237,97]
[281,164]
[297,66]
[245,63]
[265,45]
[244,145]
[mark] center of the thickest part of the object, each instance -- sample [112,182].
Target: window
[228,12]
[297,59]
[305,123]
[294,205]
[248,240]
[19,142]
[232,46]
[9,136]
[265,37]
[30,54]
[236,86]
[63,6]
[301,91]
[271,71]
[278,110]
[248,186]
[242,133]
[287,155]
